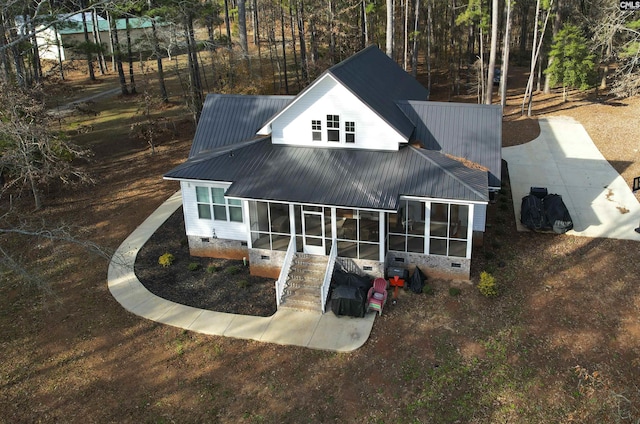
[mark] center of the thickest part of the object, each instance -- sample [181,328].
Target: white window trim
[211,205]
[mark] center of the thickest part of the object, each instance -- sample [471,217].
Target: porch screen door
[313,230]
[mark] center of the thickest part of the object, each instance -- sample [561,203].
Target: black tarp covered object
[416,284]
[349,293]
[546,214]
[557,213]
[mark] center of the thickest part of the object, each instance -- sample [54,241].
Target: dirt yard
[561,343]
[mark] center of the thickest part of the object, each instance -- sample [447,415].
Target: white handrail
[284,272]
[326,283]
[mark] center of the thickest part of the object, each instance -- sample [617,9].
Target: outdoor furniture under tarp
[349,293]
[540,211]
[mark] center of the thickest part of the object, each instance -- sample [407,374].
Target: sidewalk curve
[286,327]
[564,159]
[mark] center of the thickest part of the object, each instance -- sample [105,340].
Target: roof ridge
[422,152]
[351,58]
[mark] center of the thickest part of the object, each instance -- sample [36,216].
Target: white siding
[195,226]
[328,97]
[479,217]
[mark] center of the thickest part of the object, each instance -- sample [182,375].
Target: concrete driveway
[565,161]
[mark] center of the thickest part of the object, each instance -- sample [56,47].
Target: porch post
[292,224]
[246,217]
[470,220]
[382,234]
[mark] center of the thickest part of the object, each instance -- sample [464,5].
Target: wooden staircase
[302,289]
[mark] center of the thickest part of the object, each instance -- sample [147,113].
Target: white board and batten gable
[329,115]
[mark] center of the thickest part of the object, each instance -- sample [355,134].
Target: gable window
[213,205]
[350,132]
[316,130]
[333,128]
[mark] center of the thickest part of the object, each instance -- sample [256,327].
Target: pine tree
[573,64]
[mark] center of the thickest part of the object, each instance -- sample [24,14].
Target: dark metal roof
[379,82]
[469,131]
[340,177]
[227,119]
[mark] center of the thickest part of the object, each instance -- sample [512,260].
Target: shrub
[454,291]
[193,266]
[243,284]
[166,259]
[427,289]
[232,270]
[212,269]
[487,285]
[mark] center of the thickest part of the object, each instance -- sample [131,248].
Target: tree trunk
[59,49]
[117,56]
[557,23]
[492,52]
[303,44]
[482,81]
[390,22]
[156,51]
[315,54]
[505,56]
[227,22]
[529,88]
[405,56]
[284,50]
[293,45]
[535,54]
[37,65]
[194,71]
[332,32]
[112,47]
[4,59]
[132,82]
[429,41]
[98,41]
[414,48]
[364,29]
[242,30]
[256,28]
[92,75]
[37,199]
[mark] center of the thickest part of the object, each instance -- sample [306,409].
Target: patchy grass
[559,345]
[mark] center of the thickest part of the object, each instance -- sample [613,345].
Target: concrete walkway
[565,160]
[308,329]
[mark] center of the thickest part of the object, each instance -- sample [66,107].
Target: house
[58,42]
[359,169]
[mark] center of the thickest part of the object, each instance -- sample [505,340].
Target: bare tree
[33,155]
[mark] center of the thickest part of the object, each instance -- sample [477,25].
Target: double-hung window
[316,130]
[213,205]
[350,132]
[333,128]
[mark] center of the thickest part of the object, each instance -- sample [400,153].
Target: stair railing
[326,283]
[281,282]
